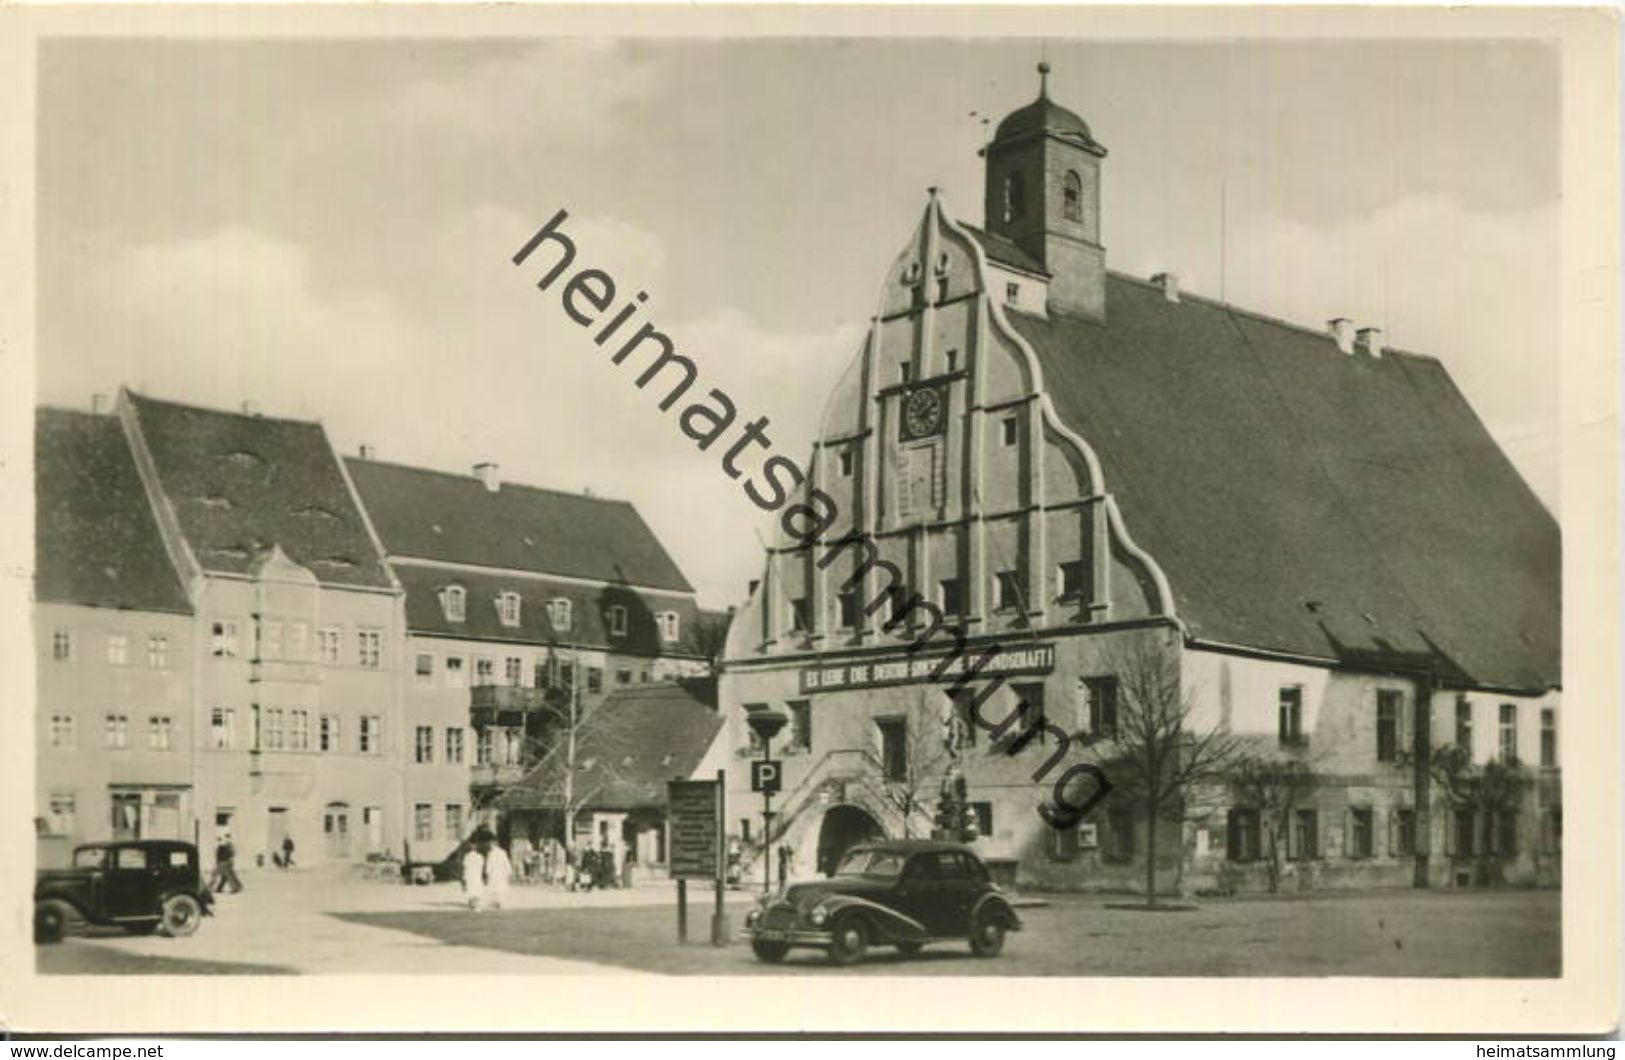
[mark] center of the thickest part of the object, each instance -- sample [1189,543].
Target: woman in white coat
[498,874]
[474,870]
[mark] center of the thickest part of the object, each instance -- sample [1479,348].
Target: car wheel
[50,922]
[180,916]
[909,949]
[987,935]
[849,941]
[769,952]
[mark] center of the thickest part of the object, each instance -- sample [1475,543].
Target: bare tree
[1274,785]
[1490,789]
[913,782]
[1159,757]
[711,637]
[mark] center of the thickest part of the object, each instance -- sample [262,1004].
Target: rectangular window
[64,732]
[1305,835]
[559,614]
[272,729]
[513,670]
[1387,725]
[62,645]
[1402,839]
[1548,738]
[1063,843]
[848,462]
[485,671]
[800,614]
[1118,844]
[848,604]
[423,668]
[159,730]
[1101,695]
[1241,834]
[222,728]
[1007,591]
[1509,731]
[454,746]
[1289,723]
[369,643]
[299,730]
[905,372]
[454,672]
[327,646]
[118,649]
[270,639]
[1030,697]
[567,675]
[1464,724]
[801,724]
[158,651]
[372,734]
[1504,834]
[1012,293]
[670,626]
[617,621]
[623,677]
[1359,841]
[118,731]
[1069,579]
[64,813]
[482,747]
[983,813]
[423,822]
[1465,831]
[330,736]
[893,747]
[952,357]
[454,820]
[1009,430]
[225,639]
[595,680]
[424,747]
[950,597]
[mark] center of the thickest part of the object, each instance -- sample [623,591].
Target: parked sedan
[903,893]
[141,885]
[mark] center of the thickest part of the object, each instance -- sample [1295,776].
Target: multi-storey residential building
[518,600]
[115,645]
[1311,532]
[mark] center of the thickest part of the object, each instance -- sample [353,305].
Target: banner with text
[1010,662]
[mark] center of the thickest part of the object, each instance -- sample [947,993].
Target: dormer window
[454,602]
[670,626]
[1072,197]
[1012,293]
[558,614]
[617,621]
[508,608]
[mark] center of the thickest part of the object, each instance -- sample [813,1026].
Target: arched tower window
[1072,197]
[1015,196]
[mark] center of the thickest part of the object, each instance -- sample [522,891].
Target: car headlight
[753,916]
[819,915]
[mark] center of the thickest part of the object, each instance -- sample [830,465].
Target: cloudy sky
[325,228]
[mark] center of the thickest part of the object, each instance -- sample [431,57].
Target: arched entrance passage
[843,827]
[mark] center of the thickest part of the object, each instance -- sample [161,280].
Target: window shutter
[1290,839]
[1232,841]
[1386,841]
[1348,833]
[1450,827]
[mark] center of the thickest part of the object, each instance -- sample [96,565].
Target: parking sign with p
[765,777]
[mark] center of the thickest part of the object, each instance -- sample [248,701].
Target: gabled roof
[1309,501]
[239,484]
[454,518]
[96,541]
[589,607]
[631,746]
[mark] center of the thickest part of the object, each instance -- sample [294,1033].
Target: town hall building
[1113,480]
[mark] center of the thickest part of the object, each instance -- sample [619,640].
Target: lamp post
[766,724]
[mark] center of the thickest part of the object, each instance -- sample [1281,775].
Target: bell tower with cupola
[1043,194]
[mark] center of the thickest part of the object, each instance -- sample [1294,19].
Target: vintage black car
[140,885]
[903,893]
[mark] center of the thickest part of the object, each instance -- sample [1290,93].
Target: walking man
[287,851]
[225,867]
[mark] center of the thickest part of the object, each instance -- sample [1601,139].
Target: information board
[691,819]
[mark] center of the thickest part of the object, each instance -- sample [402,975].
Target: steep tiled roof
[239,484]
[1004,251]
[454,518]
[1305,500]
[630,747]
[589,606]
[96,541]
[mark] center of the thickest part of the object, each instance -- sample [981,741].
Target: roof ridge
[238,413]
[465,476]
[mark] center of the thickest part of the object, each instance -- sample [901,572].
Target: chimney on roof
[100,404]
[367,451]
[1369,341]
[487,474]
[1168,284]
[251,408]
[1342,329]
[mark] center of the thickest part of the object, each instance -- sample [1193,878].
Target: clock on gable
[925,412]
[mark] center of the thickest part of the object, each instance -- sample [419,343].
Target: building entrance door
[336,829]
[843,828]
[276,830]
[372,828]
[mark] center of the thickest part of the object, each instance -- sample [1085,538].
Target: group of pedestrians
[487,871]
[224,879]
